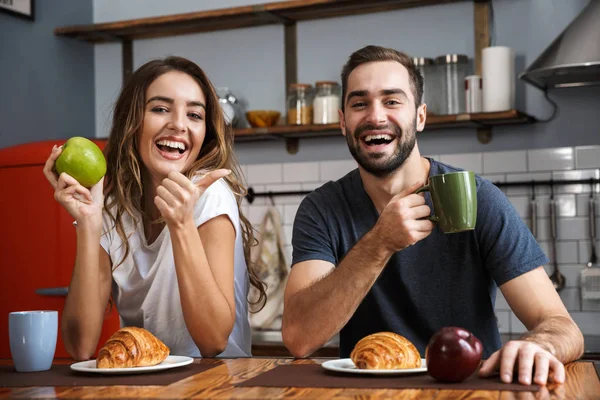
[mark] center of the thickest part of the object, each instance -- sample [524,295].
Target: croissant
[132,347]
[385,350]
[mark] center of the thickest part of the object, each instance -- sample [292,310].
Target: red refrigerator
[37,241]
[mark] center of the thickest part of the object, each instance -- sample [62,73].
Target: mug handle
[427,188]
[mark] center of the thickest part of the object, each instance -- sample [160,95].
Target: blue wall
[46,82]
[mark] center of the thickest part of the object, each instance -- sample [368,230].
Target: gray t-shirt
[443,280]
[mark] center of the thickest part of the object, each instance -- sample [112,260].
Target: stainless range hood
[573,59]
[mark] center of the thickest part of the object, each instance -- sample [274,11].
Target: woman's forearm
[207,313]
[83,313]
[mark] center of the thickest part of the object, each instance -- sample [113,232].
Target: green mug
[454,197]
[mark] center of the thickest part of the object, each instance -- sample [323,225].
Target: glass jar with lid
[326,102]
[300,104]
[452,70]
[431,87]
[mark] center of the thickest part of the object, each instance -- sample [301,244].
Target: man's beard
[372,163]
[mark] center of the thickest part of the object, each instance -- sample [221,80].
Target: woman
[165,234]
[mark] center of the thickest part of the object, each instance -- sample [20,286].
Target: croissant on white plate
[132,347]
[385,350]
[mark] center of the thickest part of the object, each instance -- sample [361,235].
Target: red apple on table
[453,354]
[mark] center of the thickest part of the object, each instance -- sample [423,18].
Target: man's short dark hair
[373,53]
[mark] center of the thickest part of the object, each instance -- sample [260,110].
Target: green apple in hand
[83,160]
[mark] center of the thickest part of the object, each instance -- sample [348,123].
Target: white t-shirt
[145,286]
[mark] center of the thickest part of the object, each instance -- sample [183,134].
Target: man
[366,259]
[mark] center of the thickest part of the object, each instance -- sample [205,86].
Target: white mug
[473,94]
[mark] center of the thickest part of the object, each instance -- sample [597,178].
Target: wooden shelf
[478,120]
[282,12]
[287,132]
[288,13]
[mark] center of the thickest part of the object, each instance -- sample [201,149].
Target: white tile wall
[588,322]
[571,298]
[471,162]
[287,232]
[573,246]
[573,228]
[551,159]
[578,175]
[516,326]
[571,272]
[265,173]
[583,204]
[287,250]
[590,305]
[290,213]
[524,176]
[504,161]
[585,249]
[565,205]
[587,157]
[289,187]
[503,318]
[566,252]
[300,172]
[501,303]
[255,215]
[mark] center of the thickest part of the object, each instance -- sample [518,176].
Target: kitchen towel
[498,78]
[272,269]
[62,375]
[313,375]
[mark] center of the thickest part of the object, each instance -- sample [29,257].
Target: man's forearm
[313,315]
[560,336]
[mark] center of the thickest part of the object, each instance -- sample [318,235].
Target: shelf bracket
[291,54]
[481,21]
[261,11]
[292,145]
[482,30]
[484,135]
[127,52]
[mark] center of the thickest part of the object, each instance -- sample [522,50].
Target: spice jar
[300,104]
[326,103]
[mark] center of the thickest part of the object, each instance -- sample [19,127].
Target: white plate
[346,365]
[170,362]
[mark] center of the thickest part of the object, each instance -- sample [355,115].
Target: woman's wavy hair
[123,191]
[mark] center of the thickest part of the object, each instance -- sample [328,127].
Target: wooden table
[217,383]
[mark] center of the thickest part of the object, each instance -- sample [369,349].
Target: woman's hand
[81,203]
[177,195]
